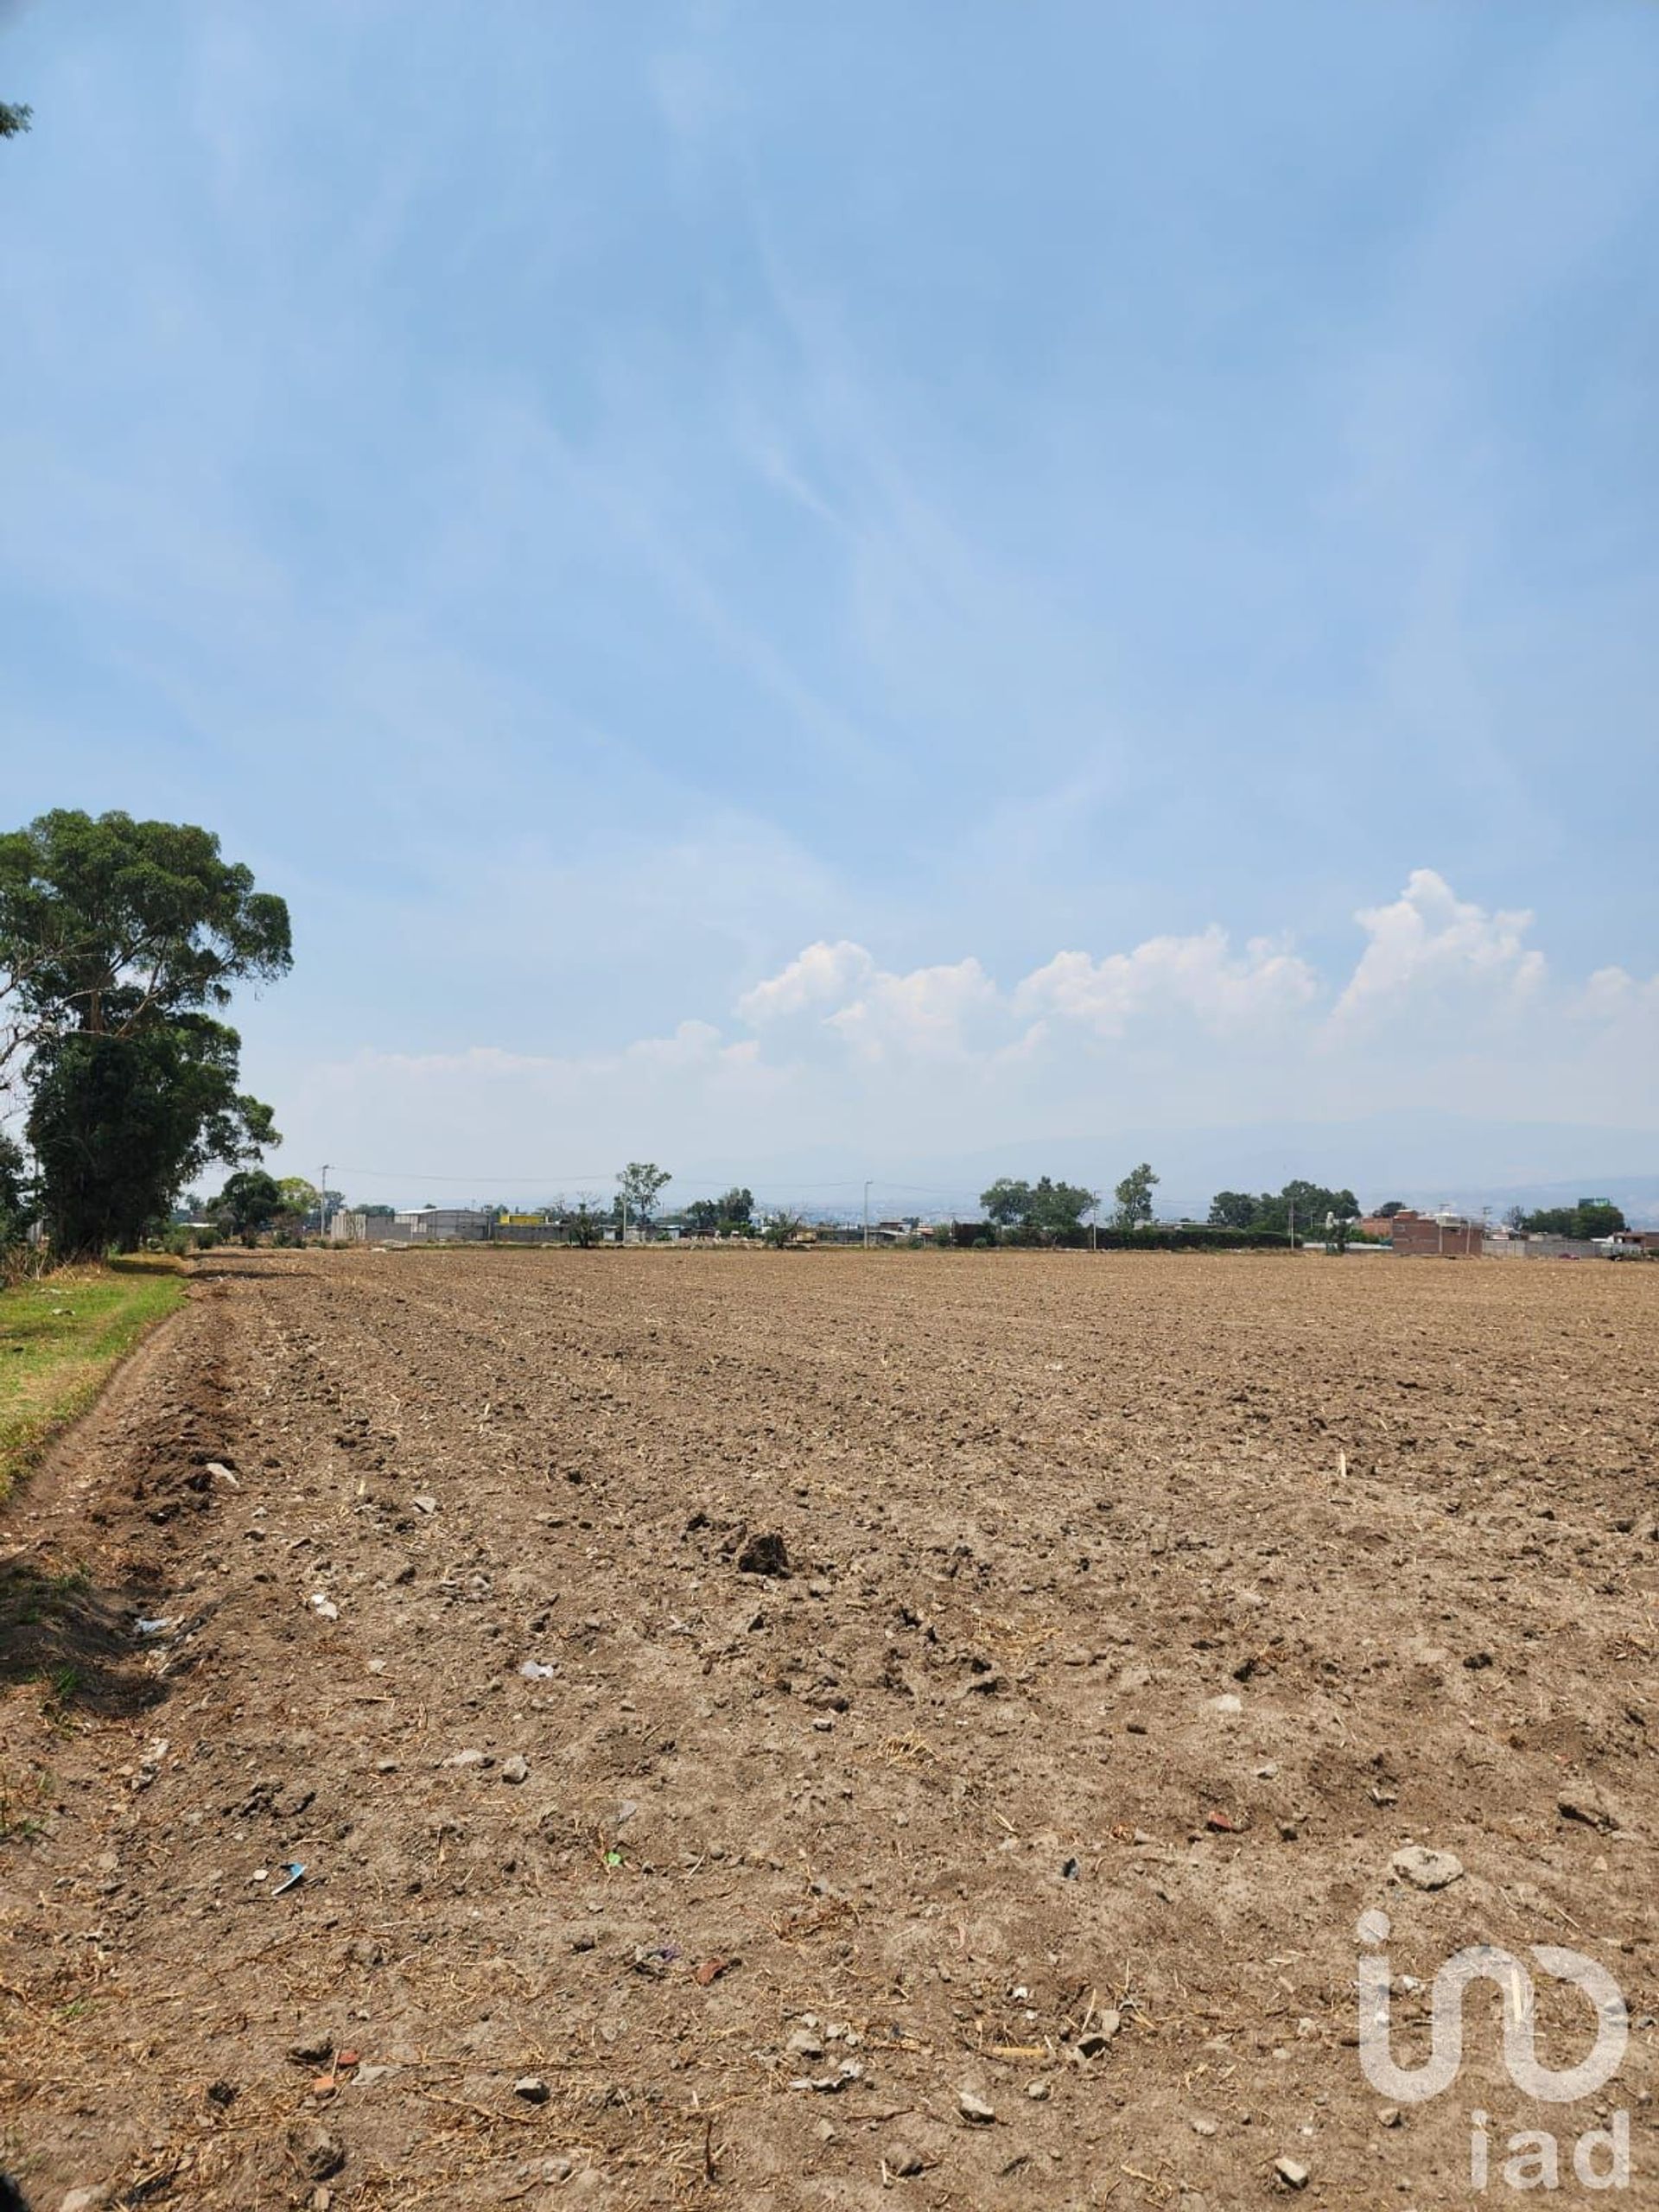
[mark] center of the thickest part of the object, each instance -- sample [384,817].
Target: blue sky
[773,576]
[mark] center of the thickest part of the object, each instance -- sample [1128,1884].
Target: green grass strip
[60,1340]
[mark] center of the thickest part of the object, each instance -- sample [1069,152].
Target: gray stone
[1425,1869]
[515,1768]
[317,2152]
[1093,2042]
[975,2109]
[532,2089]
[1291,2172]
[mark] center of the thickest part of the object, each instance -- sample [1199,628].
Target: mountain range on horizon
[1427,1159]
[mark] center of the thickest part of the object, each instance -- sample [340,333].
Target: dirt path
[1140,1610]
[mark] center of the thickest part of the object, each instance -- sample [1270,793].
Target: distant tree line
[1590,1217]
[1306,1205]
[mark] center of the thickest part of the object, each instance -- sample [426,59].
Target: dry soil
[1138,1611]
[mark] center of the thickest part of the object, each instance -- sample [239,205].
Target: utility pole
[1292,1224]
[322,1205]
[867,1215]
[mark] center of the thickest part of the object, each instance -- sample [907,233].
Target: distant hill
[1425,1159]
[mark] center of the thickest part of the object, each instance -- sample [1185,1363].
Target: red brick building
[1437,1236]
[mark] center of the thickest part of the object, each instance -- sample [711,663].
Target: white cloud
[1197,975]
[842,1053]
[922,1011]
[1429,946]
[1624,1002]
[822,976]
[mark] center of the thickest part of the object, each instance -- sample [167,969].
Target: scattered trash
[324,1606]
[711,1970]
[426,1504]
[1291,2172]
[1223,1824]
[294,1869]
[536,1670]
[154,1627]
[830,2085]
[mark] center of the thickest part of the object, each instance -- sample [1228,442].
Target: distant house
[443,1225]
[1436,1237]
[1535,1247]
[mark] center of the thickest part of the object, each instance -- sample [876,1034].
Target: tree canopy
[120,941]
[1133,1197]
[1044,1208]
[250,1201]
[15,115]
[1590,1217]
[1309,1204]
[733,1210]
[15,1207]
[638,1187]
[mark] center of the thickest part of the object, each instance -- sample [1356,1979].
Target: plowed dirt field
[1007,1851]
